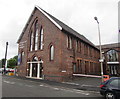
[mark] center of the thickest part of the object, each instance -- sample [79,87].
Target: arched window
[36,35]
[19,58]
[35,59]
[41,39]
[31,41]
[51,52]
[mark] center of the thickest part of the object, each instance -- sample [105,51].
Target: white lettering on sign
[63,71]
[22,44]
[101,60]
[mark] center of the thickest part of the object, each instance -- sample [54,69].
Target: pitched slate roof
[113,45]
[61,26]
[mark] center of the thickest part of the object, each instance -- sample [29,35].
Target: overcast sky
[78,14]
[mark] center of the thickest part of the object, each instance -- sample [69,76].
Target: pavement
[79,83]
[86,83]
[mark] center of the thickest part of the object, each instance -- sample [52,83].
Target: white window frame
[41,38]
[51,53]
[69,42]
[31,41]
[36,39]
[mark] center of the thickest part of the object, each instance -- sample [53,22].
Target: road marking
[56,88]
[77,91]
[29,85]
[67,89]
[20,84]
[41,85]
[89,86]
[70,83]
[30,81]
[8,82]
[82,92]
[18,79]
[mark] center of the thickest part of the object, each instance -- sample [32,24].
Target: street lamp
[5,57]
[101,59]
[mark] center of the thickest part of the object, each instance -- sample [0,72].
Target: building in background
[49,49]
[0,63]
[119,21]
[111,54]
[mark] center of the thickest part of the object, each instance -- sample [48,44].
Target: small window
[19,59]
[90,51]
[69,42]
[22,56]
[77,45]
[86,50]
[51,52]
[80,47]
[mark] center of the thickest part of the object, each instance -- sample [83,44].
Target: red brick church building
[49,49]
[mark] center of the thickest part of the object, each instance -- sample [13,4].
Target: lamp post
[5,57]
[101,59]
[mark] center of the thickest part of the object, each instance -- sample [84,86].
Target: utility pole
[101,58]
[5,58]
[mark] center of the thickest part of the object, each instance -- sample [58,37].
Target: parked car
[1,70]
[7,70]
[110,89]
[11,70]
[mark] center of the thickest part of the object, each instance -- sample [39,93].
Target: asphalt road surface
[15,87]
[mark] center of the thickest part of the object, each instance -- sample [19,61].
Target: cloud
[78,14]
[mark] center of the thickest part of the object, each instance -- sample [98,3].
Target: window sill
[70,49]
[51,60]
[35,51]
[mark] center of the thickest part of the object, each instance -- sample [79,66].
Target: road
[15,87]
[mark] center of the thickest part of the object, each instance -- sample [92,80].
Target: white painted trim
[112,62]
[33,77]
[23,42]
[38,71]
[30,70]
[49,17]
[35,62]
[87,75]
